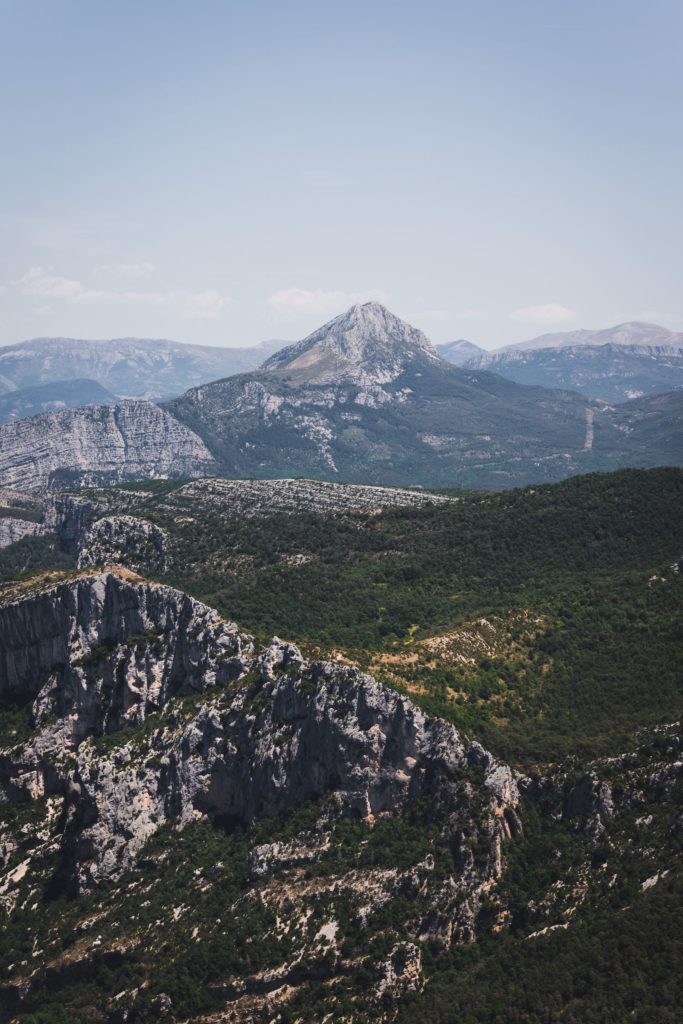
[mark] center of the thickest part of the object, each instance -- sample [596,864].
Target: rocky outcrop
[13,529]
[301,732]
[589,797]
[70,518]
[238,498]
[402,971]
[97,444]
[100,654]
[102,649]
[124,540]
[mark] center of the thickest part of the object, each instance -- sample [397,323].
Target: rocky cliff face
[70,517]
[20,516]
[76,646]
[98,443]
[105,654]
[13,529]
[124,540]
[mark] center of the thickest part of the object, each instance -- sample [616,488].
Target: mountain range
[366,398]
[61,394]
[630,360]
[127,367]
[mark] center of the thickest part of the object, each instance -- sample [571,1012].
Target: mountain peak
[459,352]
[367,344]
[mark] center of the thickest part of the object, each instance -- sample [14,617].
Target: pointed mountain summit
[366,398]
[365,345]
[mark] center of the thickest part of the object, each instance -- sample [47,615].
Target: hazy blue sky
[225,172]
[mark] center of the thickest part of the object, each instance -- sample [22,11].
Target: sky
[223,172]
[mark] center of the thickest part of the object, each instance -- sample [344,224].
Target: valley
[543,623]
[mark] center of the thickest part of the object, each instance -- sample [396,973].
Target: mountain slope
[613,365]
[157,726]
[366,398]
[128,367]
[196,829]
[459,352]
[365,345]
[62,394]
[632,333]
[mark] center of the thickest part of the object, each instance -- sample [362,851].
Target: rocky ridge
[633,334]
[109,526]
[129,367]
[237,498]
[613,365]
[100,655]
[112,443]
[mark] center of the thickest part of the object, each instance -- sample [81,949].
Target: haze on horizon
[223,173]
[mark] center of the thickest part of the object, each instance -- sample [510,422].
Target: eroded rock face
[125,540]
[70,517]
[113,443]
[589,797]
[256,498]
[264,735]
[322,728]
[102,649]
[13,529]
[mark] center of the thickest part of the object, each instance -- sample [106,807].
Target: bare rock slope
[98,443]
[101,654]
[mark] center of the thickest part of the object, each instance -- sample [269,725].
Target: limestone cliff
[105,654]
[98,443]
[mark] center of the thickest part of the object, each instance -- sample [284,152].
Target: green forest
[547,623]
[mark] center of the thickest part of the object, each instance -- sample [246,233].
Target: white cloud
[38,281]
[41,283]
[302,302]
[548,315]
[205,305]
